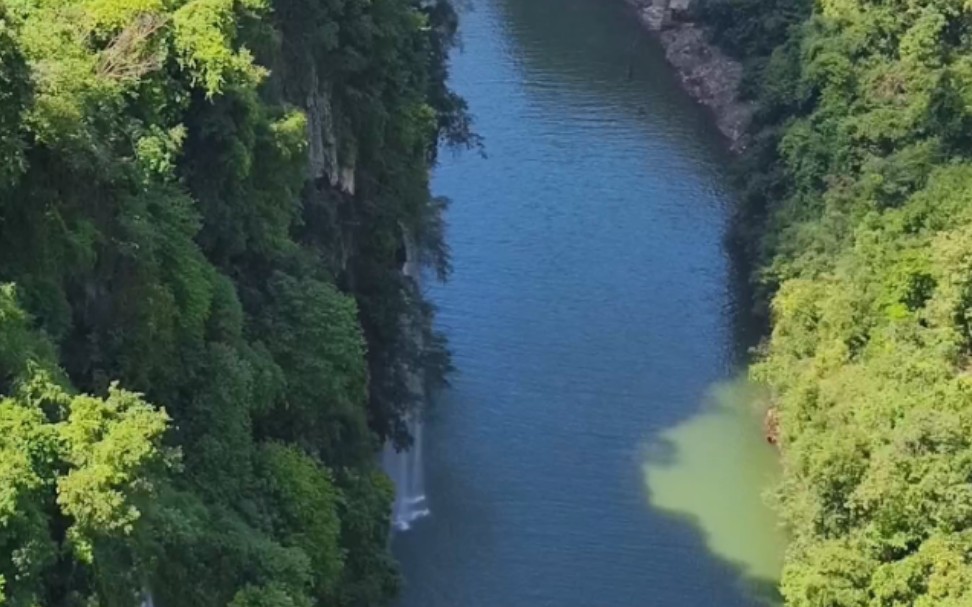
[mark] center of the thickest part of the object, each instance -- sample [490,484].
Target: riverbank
[858,207]
[708,74]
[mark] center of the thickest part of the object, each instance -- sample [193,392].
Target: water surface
[713,469]
[590,311]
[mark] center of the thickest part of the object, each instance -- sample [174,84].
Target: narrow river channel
[593,450]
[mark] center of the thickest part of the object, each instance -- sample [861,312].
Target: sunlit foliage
[859,216]
[205,335]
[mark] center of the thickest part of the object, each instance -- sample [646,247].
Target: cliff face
[203,210]
[708,74]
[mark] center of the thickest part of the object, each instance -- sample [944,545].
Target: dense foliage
[859,215]
[205,335]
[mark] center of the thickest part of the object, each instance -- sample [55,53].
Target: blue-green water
[591,311]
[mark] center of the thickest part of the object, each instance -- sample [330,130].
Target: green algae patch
[715,469]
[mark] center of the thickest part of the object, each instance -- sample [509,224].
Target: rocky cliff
[708,74]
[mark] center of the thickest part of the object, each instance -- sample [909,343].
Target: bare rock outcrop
[708,74]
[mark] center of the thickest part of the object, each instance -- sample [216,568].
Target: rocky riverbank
[708,74]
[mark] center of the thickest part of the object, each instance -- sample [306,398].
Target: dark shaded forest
[857,214]
[205,334]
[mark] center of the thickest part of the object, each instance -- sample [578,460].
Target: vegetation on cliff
[858,211]
[204,330]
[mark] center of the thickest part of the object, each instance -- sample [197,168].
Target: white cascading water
[406,467]
[405,470]
[147,600]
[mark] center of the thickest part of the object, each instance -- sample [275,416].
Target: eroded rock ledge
[708,74]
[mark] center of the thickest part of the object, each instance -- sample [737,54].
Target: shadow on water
[608,64]
[715,471]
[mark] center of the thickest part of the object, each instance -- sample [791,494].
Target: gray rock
[708,74]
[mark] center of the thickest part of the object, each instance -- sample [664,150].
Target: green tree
[859,216]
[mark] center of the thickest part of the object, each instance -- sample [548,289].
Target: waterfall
[405,470]
[406,467]
[147,600]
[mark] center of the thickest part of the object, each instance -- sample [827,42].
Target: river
[592,449]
